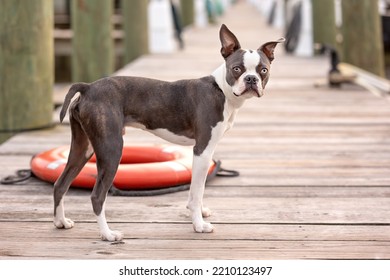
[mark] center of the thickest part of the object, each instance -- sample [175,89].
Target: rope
[21,176]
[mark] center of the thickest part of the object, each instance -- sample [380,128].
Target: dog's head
[247,71]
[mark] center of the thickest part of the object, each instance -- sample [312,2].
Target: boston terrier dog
[194,112]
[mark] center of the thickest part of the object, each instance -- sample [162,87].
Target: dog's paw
[63,223]
[203,227]
[112,236]
[206,212]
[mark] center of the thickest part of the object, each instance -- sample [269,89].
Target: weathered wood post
[362,44]
[92,43]
[26,64]
[187,12]
[324,26]
[135,23]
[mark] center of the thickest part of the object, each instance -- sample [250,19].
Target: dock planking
[314,165]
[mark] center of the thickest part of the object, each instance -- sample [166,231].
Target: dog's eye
[264,71]
[237,69]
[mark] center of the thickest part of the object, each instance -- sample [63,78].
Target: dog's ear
[269,47]
[229,42]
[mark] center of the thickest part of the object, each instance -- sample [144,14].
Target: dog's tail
[75,88]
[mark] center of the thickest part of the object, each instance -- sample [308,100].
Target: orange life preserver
[141,167]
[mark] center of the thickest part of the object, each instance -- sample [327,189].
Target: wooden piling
[187,12]
[324,27]
[135,23]
[93,47]
[362,43]
[26,64]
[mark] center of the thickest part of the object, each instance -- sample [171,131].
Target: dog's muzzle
[251,84]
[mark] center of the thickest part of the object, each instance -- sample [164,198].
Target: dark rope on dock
[21,176]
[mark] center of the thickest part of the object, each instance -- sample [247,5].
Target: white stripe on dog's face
[251,61]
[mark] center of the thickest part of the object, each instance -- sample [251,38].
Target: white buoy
[161,28]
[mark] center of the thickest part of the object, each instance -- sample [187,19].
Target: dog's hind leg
[80,152]
[108,152]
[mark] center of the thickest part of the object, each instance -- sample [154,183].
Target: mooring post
[26,65]
[92,43]
[362,35]
[324,22]
[187,12]
[135,25]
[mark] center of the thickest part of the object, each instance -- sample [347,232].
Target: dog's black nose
[251,79]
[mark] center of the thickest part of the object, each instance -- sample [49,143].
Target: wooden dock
[314,165]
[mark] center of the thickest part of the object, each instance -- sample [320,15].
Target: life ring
[141,167]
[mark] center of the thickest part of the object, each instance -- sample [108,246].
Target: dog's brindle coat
[188,112]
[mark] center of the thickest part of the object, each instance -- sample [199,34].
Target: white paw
[206,212]
[63,223]
[203,227]
[112,236]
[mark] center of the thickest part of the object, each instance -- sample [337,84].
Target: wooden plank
[261,209]
[179,231]
[35,187]
[186,247]
[157,234]
[175,241]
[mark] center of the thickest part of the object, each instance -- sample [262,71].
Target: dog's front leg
[200,167]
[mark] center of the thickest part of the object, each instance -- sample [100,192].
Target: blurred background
[48,43]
